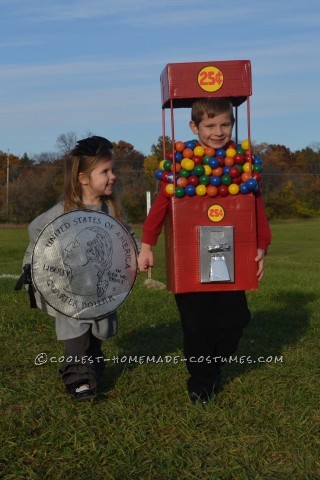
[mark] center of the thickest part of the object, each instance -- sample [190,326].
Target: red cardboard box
[182,83]
[191,219]
[182,237]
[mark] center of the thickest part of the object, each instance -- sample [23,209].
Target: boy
[212,322]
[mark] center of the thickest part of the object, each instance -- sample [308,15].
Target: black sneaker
[82,392]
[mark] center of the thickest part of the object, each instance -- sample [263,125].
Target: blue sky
[79,66]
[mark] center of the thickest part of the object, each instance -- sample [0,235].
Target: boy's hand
[260,263]
[145,258]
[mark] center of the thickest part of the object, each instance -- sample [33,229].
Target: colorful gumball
[204,180]
[247,167]
[179,146]
[257,176]
[193,180]
[182,182]
[258,161]
[251,183]
[207,170]
[237,180]
[221,161]
[217,171]
[226,179]
[187,153]
[239,158]
[234,172]
[190,190]
[245,176]
[199,170]
[205,159]
[184,173]
[169,189]
[215,180]
[158,174]
[179,192]
[167,165]
[199,151]
[239,167]
[234,189]
[228,161]
[190,144]
[232,144]
[221,153]
[209,151]
[212,191]
[187,164]
[230,152]
[197,160]
[240,150]
[201,190]
[244,189]
[257,168]
[223,190]
[176,167]
[245,144]
[214,162]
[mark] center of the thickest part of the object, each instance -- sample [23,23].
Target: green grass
[264,425]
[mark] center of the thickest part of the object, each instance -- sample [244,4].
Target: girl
[88,184]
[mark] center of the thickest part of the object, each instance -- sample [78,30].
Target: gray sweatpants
[84,360]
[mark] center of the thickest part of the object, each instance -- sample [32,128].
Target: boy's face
[213,132]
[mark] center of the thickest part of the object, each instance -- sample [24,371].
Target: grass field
[264,425]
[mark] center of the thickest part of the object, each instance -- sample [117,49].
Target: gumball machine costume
[210,229]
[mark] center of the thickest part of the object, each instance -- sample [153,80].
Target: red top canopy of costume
[182,83]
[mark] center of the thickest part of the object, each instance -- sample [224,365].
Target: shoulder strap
[25,279]
[105,207]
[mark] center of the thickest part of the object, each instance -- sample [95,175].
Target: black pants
[212,325]
[84,360]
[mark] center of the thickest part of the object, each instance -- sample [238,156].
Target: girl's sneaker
[82,391]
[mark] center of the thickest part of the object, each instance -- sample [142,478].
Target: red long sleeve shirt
[154,222]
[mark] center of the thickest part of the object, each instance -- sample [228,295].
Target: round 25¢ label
[216,213]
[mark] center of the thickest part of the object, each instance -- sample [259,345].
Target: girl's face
[99,183]
[214,132]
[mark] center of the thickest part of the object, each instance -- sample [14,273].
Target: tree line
[29,186]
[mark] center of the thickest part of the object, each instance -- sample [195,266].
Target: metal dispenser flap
[218,269]
[84,264]
[216,254]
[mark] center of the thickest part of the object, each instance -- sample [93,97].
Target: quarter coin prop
[84,264]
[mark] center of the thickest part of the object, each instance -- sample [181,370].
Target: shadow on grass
[270,331]
[150,341]
[266,336]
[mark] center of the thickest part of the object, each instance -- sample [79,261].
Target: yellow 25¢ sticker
[216,213]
